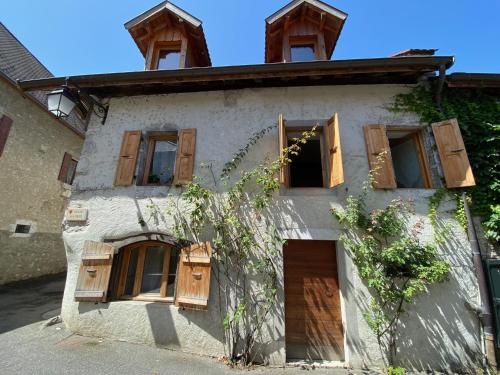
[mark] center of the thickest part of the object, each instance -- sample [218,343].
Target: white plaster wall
[439,332]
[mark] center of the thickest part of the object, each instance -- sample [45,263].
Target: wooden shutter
[336,173]
[377,143]
[184,163]
[456,167]
[283,143]
[95,271]
[128,158]
[63,172]
[193,277]
[5,125]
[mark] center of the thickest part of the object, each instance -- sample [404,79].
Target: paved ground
[28,347]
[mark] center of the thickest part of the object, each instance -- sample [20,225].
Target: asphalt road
[27,346]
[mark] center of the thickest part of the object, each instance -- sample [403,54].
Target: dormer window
[303,48]
[303,30]
[169,38]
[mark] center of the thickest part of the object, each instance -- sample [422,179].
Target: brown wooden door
[313,321]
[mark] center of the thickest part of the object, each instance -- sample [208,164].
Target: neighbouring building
[127,277]
[38,158]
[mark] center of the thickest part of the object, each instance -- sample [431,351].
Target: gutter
[245,72]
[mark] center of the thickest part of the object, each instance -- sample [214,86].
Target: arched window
[147,271]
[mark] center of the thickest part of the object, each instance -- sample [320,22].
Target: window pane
[153,270]
[163,163]
[303,52]
[306,169]
[172,270]
[132,266]
[406,164]
[168,59]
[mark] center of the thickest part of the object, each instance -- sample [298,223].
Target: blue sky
[81,37]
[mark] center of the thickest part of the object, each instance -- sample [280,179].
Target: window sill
[313,191]
[149,298]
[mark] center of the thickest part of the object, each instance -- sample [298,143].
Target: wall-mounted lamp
[62,101]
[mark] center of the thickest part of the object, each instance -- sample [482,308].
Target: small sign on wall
[76,214]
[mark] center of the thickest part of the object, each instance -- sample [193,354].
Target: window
[68,169]
[303,48]
[168,59]
[22,228]
[5,125]
[408,159]
[148,272]
[306,168]
[160,159]
[397,156]
[319,162]
[169,158]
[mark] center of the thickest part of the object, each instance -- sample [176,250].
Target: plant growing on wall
[394,263]
[246,244]
[478,115]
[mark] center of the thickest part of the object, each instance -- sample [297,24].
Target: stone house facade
[127,277]
[34,146]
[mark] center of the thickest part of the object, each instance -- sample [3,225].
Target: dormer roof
[330,21]
[163,15]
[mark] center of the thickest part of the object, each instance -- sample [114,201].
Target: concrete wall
[439,332]
[30,191]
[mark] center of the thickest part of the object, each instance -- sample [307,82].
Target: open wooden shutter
[5,125]
[63,172]
[128,158]
[451,149]
[377,143]
[336,175]
[283,143]
[184,163]
[193,277]
[95,271]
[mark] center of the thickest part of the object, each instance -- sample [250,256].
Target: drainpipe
[486,315]
[439,91]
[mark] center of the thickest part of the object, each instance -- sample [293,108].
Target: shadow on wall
[439,332]
[451,329]
[191,330]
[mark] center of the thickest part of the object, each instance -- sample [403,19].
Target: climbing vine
[394,263]
[478,115]
[246,244]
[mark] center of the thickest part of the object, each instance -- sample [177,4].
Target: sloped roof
[18,63]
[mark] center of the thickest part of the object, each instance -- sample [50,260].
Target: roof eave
[203,78]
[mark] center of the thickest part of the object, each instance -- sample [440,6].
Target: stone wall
[30,191]
[439,332]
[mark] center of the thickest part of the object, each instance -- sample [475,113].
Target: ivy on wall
[478,115]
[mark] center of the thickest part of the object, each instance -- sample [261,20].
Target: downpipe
[485,314]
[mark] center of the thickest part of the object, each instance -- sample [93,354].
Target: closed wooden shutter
[456,167]
[63,172]
[283,143]
[95,271]
[184,163]
[129,151]
[193,277]
[5,125]
[336,175]
[376,144]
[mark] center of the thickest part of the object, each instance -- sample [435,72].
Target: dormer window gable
[303,30]
[169,38]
